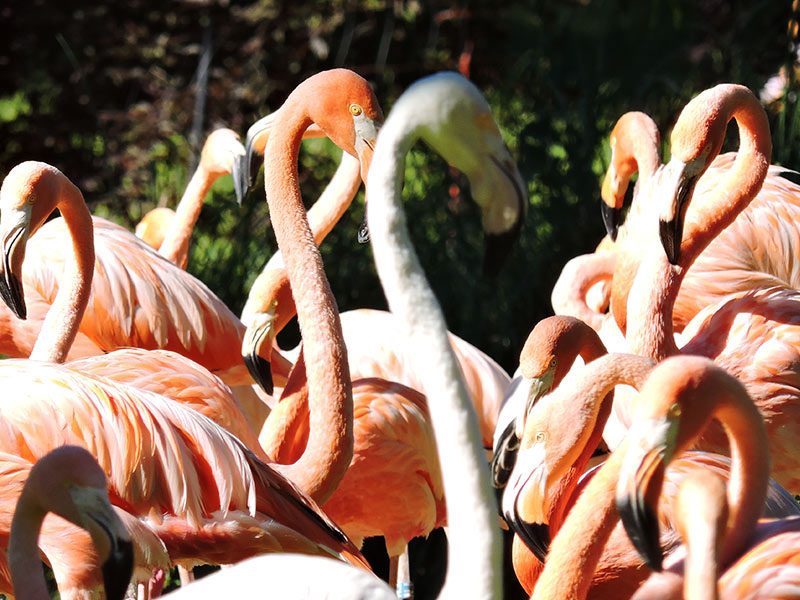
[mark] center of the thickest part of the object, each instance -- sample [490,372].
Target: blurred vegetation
[112,94]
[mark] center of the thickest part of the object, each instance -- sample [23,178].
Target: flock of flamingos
[141,416]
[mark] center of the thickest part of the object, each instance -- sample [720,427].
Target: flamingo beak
[637,496]
[540,386]
[255,142]
[536,537]
[259,335]
[366,137]
[118,567]
[673,214]
[10,281]
[525,499]
[239,177]
[612,217]
[504,458]
[498,244]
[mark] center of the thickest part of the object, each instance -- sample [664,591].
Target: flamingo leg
[186,575]
[403,585]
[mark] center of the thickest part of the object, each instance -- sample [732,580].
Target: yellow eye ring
[356,110]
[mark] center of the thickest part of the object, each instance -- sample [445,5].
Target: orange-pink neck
[64,317]
[175,246]
[328,455]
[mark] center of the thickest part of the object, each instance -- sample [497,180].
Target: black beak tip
[669,241]
[641,524]
[536,537]
[13,296]
[239,178]
[117,570]
[261,371]
[497,248]
[612,217]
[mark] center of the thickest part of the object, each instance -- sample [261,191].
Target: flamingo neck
[650,305]
[576,550]
[750,466]
[592,388]
[577,276]
[330,449]
[175,246]
[27,574]
[706,219]
[701,566]
[64,317]
[473,569]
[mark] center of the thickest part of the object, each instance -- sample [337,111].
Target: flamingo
[690,392]
[68,549]
[754,334]
[754,251]
[548,354]
[450,115]
[132,296]
[191,482]
[561,433]
[220,156]
[153,226]
[767,569]
[68,482]
[461,111]
[578,546]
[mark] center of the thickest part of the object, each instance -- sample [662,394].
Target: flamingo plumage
[755,251]
[691,391]
[133,296]
[754,334]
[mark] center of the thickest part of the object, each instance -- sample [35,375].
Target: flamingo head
[673,409]
[635,133]
[553,441]
[223,154]
[30,192]
[152,229]
[451,115]
[69,482]
[339,104]
[696,140]
[257,343]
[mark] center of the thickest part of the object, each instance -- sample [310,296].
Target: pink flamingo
[690,392]
[755,334]
[68,482]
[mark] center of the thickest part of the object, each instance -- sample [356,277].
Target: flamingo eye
[540,436]
[356,110]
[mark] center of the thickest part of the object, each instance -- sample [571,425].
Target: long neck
[27,574]
[473,569]
[701,567]
[175,246]
[707,218]
[330,448]
[64,317]
[577,276]
[750,466]
[650,302]
[577,548]
[592,388]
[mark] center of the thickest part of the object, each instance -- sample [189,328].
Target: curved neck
[64,317]
[473,569]
[637,146]
[750,465]
[714,212]
[592,389]
[330,449]
[175,246]
[577,548]
[577,276]
[27,574]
